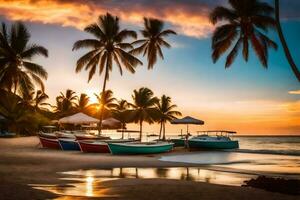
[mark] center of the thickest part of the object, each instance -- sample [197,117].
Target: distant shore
[23,162]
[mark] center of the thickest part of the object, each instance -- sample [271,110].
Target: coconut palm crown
[17,71]
[245,22]
[153,41]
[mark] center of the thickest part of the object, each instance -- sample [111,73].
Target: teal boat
[179,142]
[140,147]
[222,140]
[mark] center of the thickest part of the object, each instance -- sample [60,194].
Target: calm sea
[285,145]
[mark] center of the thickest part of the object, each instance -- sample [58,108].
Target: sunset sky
[246,97]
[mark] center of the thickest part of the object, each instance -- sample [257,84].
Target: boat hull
[89,147]
[69,145]
[121,149]
[49,143]
[178,142]
[214,144]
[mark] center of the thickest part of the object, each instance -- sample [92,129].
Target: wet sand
[22,162]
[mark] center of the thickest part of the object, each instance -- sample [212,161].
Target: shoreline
[23,163]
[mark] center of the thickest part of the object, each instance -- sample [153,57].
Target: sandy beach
[23,162]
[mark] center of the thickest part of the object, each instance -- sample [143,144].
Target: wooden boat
[99,146]
[220,141]
[140,147]
[47,135]
[68,144]
[49,143]
[80,136]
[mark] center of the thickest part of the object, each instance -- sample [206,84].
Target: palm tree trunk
[160,129]
[101,106]
[141,129]
[284,44]
[164,131]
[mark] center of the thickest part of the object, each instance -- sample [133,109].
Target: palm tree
[108,47]
[143,107]
[106,101]
[166,113]
[66,102]
[39,99]
[17,72]
[121,112]
[243,23]
[153,40]
[83,102]
[283,42]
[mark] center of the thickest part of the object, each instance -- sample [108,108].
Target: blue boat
[69,144]
[220,141]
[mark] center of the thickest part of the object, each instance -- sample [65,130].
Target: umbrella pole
[187,129]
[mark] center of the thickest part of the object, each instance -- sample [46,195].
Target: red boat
[93,146]
[49,143]
[99,146]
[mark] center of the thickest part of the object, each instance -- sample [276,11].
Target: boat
[47,135]
[82,136]
[179,142]
[140,147]
[99,146]
[68,144]
[49,143]
[222,140]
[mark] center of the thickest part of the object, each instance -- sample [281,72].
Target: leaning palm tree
[143,107]
[121,112]
[82,103]
[283,42]
[246,21]
[166,113]
[106,48]
[153,40]
[17,72]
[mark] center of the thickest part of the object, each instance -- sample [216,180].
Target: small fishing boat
[68,144]
[81,136]
[49,143]
[140,147]
[222,140]
[99,146]
[47,135]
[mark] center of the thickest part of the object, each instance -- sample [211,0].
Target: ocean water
[285,145]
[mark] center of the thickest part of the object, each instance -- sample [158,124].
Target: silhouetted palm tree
[108,47]
[283,42]
[143,107]
[39,99]
[243,23]
[17,72]
[121,112]
[153,40]
[106,101]
[166,113]
[83,102]
[66,102]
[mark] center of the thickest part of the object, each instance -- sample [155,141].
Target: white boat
[221,140]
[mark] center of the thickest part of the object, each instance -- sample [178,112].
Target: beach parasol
[187,120]
[111,123]
[79,118]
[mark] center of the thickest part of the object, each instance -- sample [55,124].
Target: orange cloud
[294,92]
[190,20]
